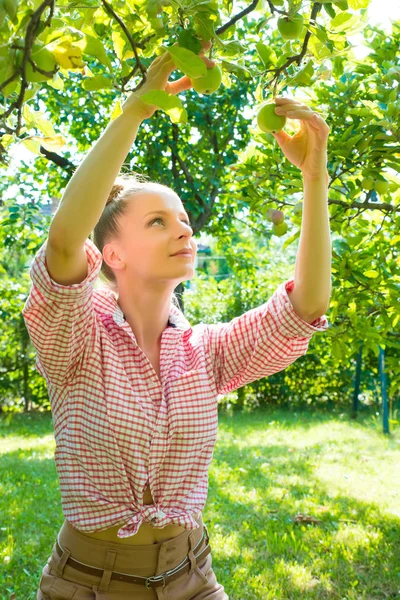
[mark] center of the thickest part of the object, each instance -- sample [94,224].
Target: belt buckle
[154,578]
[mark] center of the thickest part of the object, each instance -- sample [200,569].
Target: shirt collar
[107,305]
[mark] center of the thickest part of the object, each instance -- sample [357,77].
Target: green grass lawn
[269,467]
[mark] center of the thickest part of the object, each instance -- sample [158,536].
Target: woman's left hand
[306,149]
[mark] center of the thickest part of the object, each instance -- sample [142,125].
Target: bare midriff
[146,534]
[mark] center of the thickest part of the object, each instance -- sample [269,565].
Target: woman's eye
[160,219]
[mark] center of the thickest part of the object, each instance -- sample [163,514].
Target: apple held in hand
[268,121]
[291,27]
[209,83]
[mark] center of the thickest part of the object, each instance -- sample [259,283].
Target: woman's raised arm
[87,191]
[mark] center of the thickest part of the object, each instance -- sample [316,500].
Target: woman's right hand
[157,79]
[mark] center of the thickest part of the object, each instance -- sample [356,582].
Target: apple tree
[65,68]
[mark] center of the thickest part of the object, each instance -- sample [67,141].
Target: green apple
[280,229]
[291,27]
[268,121]
[367,183]
[208,84]
[381,186]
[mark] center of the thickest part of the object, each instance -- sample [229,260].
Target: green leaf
[6,140]
[188,38]
[11,7]
[303,77]
[357,4]
[187,61]
[264,53]
[371,274]
[121,44]
[168,103]
[32,145]
[290,240]
[344,21]
[233,48]
[152,8]
[241,72]
[97,82]
[117,110]
[37,119]
[330,10]
[57,82]
[93,47]
[51,143]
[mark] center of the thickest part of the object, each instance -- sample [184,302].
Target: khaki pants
[61,581]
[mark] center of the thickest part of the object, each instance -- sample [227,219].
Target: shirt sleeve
[60,318]
[262,341]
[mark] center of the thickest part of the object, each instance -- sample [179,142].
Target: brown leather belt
[155,580]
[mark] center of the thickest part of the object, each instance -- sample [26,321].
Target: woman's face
[155,227]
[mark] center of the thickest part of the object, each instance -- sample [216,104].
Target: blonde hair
[108,226]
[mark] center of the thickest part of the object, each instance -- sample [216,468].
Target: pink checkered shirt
[116,425]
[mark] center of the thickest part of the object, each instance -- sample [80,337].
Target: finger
[313,122]
[299,114]
[161,60]
[180,85]
[284,100]
[284,109]
[206,45]
[167,66]
[209,63]
[282,137]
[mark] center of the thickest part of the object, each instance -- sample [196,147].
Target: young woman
[133,387]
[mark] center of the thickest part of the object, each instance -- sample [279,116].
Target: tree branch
[296,58]
[60,161]
[237,17]
[124,28]
[31,32]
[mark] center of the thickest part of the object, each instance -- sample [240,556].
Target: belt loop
[61,564]
[191,556]
[108,567]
